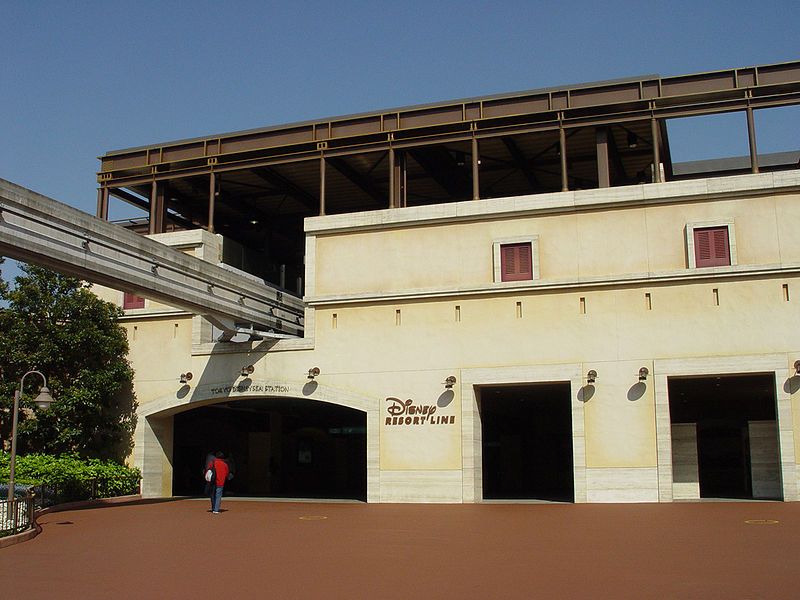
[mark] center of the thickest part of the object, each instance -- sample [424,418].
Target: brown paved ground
[268,550]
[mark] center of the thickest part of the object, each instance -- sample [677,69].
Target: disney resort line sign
[407,413]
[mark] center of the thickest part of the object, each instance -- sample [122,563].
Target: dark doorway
[527,442]
[735,432]
[288,448]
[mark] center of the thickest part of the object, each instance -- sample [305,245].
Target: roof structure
[257,186]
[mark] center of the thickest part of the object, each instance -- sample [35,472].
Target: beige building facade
[619,366]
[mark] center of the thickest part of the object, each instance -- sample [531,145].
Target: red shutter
[516,262]
[711,247]
[132,301]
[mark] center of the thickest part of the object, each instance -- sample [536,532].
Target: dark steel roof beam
[362,182]
[274,178]
[758,79]
[130,198]
[618,174]
[520,161]
[145,205]
[439,164]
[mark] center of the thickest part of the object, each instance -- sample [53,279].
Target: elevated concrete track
[39,230]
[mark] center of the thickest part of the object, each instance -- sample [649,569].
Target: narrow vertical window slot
[786,292]
[334,320]
[583,305]
[519,310]
[135,329]
[648,301]
[175,331]
[397,317]
[716,296]
[458,313]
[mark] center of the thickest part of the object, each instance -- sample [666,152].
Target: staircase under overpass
[39,230]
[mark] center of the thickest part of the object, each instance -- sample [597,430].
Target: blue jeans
[216,498]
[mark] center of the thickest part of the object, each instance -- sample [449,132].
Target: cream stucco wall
[572,246]
[400,301]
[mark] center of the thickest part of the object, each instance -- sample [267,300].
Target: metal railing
[16,515]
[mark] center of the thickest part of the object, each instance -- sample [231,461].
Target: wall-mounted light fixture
[643,373]
[797,367]
[313,372]
[248,370]
[450,382]
[633,141]
[185,377]
[591,376]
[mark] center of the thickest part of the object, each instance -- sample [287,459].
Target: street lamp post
[43,400]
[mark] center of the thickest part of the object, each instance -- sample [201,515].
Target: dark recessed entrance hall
[292,448]
[527,442]
[725,436]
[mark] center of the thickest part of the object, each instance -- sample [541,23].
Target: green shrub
[68,477]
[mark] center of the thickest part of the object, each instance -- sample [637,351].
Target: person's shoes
[214,512]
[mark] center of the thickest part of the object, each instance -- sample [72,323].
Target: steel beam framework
[595,104]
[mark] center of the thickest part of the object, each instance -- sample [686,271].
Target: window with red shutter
[712,247]
[132,301]
[516,262]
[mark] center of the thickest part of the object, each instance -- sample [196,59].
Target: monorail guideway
[43,231]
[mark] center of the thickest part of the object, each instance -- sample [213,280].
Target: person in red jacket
[220,472]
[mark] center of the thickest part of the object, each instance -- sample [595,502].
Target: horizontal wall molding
[517,287]
[708,189]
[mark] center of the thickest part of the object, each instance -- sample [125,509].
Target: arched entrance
[278,447]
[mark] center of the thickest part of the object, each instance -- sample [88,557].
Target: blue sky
[79,79]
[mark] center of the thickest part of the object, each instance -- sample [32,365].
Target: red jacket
[221,469]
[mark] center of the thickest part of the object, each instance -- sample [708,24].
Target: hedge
[68,477]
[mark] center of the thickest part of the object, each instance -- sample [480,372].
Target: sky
[80,79]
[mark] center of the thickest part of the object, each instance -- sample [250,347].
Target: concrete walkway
[178,550]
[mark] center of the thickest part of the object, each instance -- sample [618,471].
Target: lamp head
[248,370]
[591,376]
[44,399]
[643,373]
[313,372]
[186,377]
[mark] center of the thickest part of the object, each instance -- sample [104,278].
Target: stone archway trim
[154,414]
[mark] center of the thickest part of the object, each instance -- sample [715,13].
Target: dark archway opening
[289,448]
[725,435]
[527,442]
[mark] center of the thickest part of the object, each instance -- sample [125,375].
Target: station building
[510,298]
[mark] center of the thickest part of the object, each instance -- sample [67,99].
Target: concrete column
[152,453]
[765,471]
[685,469]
